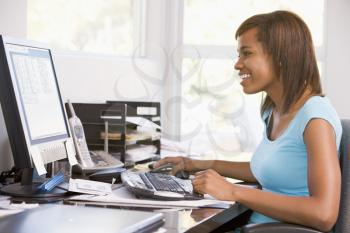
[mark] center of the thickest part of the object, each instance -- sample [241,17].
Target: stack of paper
[142,152]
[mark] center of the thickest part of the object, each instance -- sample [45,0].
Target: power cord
[8,176]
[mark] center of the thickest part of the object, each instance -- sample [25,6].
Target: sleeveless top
[281,166]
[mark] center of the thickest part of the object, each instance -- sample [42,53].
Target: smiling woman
[288,160]
[296,162]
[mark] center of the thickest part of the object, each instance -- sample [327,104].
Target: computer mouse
[185,175]
[165,168]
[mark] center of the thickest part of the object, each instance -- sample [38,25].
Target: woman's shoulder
[319,107]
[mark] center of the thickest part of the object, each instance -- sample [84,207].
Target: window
[214,22]
[215,112]
[84,25]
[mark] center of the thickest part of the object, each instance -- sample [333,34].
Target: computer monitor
[33,110]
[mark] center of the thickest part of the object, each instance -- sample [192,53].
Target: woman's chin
[249,91]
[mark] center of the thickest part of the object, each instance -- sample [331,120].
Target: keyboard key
[163,182]
[145,180]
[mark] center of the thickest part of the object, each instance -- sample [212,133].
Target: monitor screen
[38,92]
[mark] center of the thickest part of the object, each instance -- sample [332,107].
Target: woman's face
[254,65]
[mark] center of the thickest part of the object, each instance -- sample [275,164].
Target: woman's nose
[238,64]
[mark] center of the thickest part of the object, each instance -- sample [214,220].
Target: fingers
[206,173]
[180,166]
[204,180]
[166,160]
[212,183]
[199,182]
[179,163]
[201,177]
[200,185]
[177,168]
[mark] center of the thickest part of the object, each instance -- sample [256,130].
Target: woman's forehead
[248,38]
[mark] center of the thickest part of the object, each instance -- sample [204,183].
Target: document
[38,161]
[71,152]
[122,197]
[8,208]
[141,121]
[89,187]
[142,152]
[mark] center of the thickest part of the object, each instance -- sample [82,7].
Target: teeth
[244,76]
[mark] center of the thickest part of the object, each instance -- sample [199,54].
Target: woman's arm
[236,170]
[319,210]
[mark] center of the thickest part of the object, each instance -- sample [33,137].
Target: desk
[195,220]
[191,220]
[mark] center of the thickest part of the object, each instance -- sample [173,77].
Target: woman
[296,162]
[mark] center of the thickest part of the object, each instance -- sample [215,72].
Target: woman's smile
[244,78]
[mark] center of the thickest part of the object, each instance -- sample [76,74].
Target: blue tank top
[281,166]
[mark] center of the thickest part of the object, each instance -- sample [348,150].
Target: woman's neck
[278,109]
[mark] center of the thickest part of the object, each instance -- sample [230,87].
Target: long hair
[286,37]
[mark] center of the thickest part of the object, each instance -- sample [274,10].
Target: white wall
[99,78]
[337,81]
[13,15]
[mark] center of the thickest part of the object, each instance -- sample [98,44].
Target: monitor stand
[28,189]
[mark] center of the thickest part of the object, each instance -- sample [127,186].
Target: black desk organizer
[94,117]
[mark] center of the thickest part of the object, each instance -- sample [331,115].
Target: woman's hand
[180,163]
[210,182]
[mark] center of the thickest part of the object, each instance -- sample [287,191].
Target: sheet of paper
[71,152]
[8,208]
[141,121]
[6,212]
[37,160]
[89,187]
[122,196]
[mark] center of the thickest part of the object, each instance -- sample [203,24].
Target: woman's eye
[246,53]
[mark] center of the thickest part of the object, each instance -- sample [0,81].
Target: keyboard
[159,186]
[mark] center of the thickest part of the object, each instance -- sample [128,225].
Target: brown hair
[285,36]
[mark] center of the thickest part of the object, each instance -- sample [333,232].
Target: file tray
[135,136]
[123,133]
